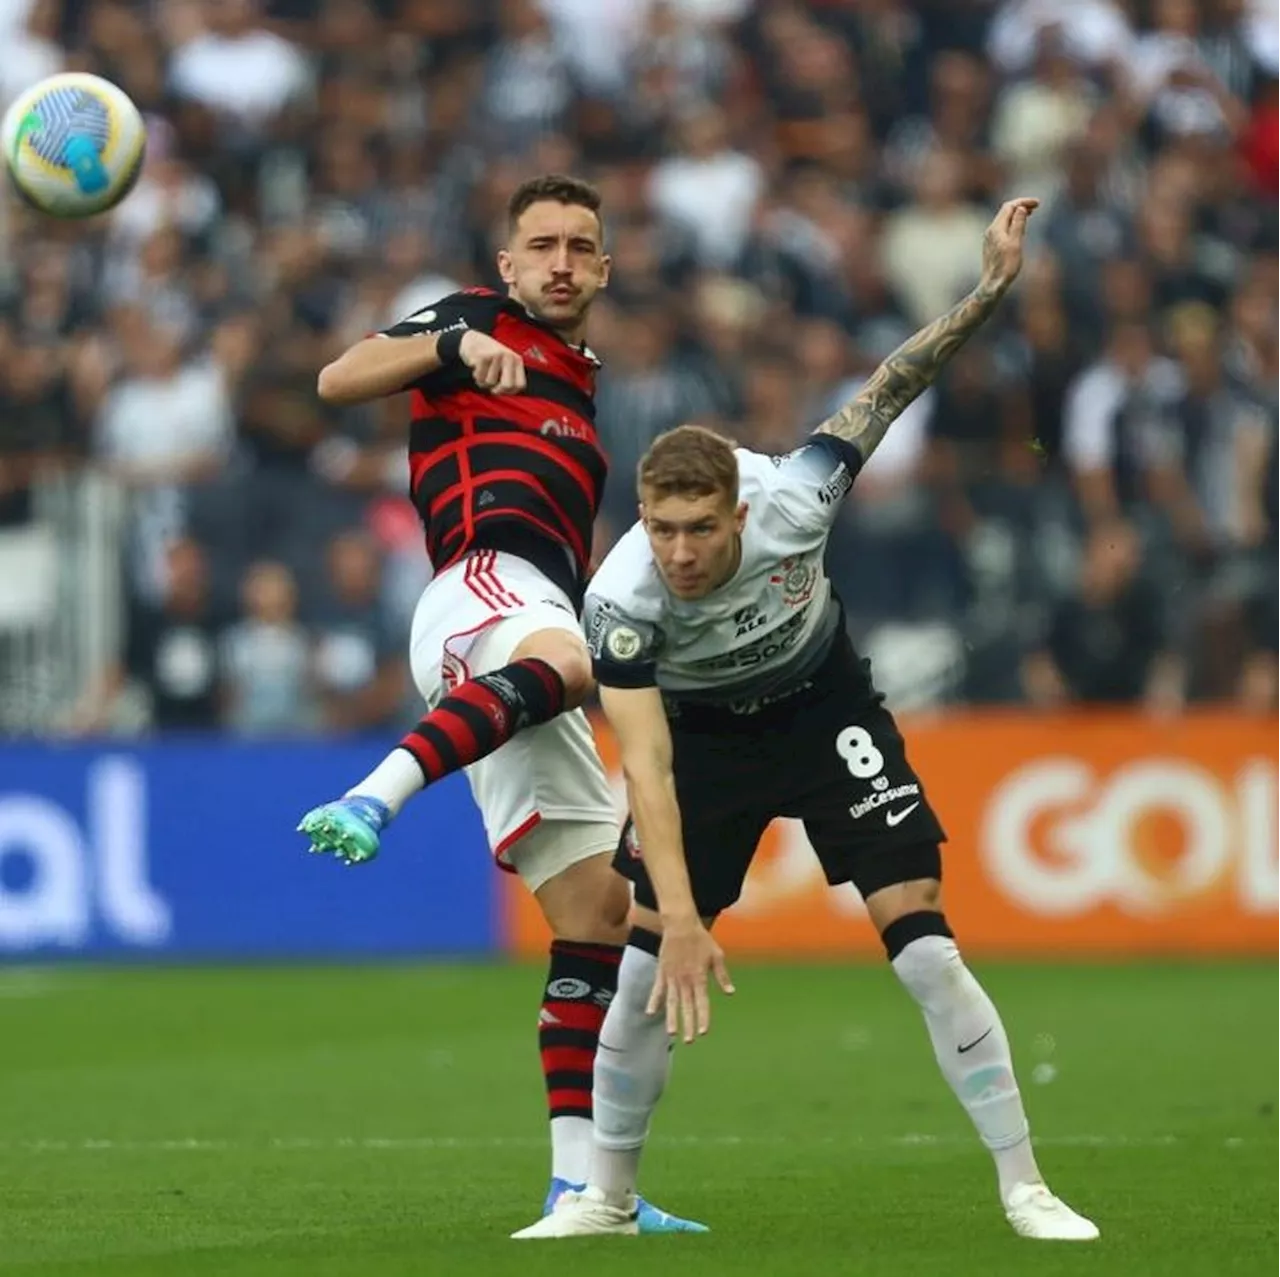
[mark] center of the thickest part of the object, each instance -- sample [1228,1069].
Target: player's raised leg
[972,1050]
[549,672]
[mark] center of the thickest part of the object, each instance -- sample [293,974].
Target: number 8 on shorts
[861,757]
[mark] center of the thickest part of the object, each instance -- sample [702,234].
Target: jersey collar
[519,308]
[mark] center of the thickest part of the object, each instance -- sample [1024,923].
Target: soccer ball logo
[74,145]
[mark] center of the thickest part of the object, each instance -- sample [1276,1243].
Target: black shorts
[831,756]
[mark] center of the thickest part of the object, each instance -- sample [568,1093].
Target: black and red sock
[580,985]
[482,714]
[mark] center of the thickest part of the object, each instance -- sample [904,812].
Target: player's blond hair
[689,461]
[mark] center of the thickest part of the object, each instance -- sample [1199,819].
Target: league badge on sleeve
[623,643]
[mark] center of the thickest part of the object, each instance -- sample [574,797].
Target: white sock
[973,1052]
[632,1064]
[571,1149]
[393,781]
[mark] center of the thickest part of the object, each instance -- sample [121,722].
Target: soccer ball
[74,145]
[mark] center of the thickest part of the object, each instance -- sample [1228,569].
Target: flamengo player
[507,474]
[716,603]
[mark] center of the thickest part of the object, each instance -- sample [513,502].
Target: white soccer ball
[74,145]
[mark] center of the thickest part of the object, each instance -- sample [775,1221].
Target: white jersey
[767,627]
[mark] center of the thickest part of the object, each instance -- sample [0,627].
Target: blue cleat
[350,828]
[653,1219]
[557,1187]
[649,1218]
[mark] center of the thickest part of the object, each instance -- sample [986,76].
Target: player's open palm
[493,366]
[1003,242]
[689,953]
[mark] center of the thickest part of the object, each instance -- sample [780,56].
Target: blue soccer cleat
[557,1187]
[350,828]
[652,1219]
[649,1218]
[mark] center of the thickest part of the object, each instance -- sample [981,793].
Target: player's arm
[425,343]
[915,365]
[624,658]
[639,724]
[379,366]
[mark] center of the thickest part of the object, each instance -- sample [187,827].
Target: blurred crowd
[1082,510]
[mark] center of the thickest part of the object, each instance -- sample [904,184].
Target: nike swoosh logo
[983,1038]
[892,818]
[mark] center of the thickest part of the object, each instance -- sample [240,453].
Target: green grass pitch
[307,1122]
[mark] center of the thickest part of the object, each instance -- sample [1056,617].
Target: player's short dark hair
[689,461]
[557,188]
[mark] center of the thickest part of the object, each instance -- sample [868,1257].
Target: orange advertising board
[1069,834]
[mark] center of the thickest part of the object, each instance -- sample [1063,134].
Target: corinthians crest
[797,579]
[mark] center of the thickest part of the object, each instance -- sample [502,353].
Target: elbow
[332,385]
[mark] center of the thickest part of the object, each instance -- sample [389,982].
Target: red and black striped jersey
[510,471]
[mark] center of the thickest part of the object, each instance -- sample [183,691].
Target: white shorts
[544,797]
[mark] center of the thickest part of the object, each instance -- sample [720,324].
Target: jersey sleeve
[454,313]
[812,481]
[624,650]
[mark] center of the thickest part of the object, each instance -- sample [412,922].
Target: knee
[636,975]
[920,944]
[589,902]
[923,895]
[615,904]
[567,654]
[889,905]
[926,960]
[637,971]
[602,919]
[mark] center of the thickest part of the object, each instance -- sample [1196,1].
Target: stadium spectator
[318,169]
[265,658]
[359,667]
[167,677]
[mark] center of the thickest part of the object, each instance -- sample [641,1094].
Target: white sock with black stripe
[631,1069]
[969,1042]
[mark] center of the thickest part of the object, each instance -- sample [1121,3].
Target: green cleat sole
[333,832]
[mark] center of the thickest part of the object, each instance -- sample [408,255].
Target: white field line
[445,1143]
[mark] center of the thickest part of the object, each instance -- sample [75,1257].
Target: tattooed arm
[915,365]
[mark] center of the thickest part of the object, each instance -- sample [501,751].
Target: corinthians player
[727,676]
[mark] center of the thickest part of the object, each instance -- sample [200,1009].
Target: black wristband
[449,345]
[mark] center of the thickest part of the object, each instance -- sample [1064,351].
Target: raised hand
[1003,242]
[915,365]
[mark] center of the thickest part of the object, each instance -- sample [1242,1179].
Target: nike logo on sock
[892,818]
[971,1045]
